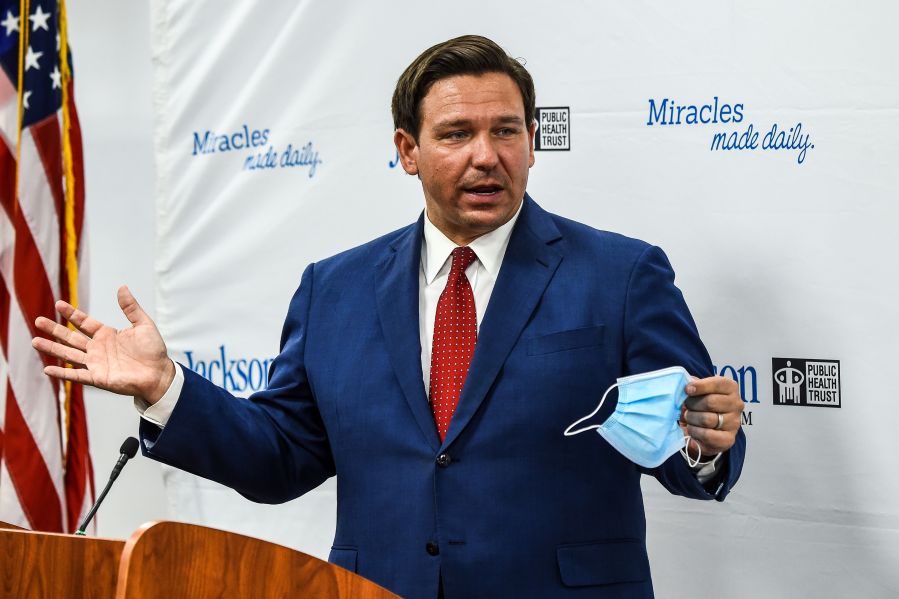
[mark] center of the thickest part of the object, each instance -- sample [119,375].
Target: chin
[486,221]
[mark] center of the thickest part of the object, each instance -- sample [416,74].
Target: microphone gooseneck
[127,451]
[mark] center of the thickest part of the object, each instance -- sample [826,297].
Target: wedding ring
[720,424]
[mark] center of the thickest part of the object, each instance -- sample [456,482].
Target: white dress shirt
[436,261]
[436,253]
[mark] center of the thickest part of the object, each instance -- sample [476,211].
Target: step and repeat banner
[755,141]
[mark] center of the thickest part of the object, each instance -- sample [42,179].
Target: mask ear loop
[686,453]
[570,433]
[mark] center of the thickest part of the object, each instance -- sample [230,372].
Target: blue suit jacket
[513,508]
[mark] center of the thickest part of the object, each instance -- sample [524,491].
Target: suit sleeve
[660,332]
[271,447]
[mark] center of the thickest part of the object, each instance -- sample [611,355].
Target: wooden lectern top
[40,564]
[167,559]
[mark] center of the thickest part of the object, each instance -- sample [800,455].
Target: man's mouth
[484,190]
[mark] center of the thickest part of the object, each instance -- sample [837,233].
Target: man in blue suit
[434,369]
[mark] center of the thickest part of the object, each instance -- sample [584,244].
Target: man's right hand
[132,361]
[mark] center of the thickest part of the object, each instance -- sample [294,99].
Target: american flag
[46,477]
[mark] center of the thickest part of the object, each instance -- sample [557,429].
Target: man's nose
[483,153]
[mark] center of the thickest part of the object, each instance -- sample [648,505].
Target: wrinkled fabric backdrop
[754,141]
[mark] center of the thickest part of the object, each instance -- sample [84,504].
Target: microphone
[127,451]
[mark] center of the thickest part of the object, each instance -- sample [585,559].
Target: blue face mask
[643,427]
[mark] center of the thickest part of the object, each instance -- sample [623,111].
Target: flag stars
[56,77]
[25,97]
[31,59]
[39,19]
[11,23]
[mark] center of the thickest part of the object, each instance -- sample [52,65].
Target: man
[434,369]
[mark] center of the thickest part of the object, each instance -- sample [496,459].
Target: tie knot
[462,259]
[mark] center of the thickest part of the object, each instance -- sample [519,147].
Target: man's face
[473,153]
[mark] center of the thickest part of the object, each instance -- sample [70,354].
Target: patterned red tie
[455,335]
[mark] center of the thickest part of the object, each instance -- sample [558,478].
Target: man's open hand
[711,414]
[132,361]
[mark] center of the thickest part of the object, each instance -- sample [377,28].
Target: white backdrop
[110,42]
[777,258]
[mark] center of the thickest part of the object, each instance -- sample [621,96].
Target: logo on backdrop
[747,378]
[253,145]
[806,382]
[553,129]
[236,374]
[731,133]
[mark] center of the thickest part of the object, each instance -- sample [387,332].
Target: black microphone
[127,451]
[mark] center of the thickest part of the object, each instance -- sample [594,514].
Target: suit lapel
[397,301]
[528,266]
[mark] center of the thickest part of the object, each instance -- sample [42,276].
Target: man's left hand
[712,414]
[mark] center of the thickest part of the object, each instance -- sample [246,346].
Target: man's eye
[456,135]
[507,131]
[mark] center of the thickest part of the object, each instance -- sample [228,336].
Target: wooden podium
[167,559]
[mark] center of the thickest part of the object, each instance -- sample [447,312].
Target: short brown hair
[465,55]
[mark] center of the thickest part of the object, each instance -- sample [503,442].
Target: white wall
[111,51]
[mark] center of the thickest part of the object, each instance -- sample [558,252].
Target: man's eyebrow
[511,119]
[508,119]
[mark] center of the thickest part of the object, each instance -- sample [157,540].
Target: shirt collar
[489,247]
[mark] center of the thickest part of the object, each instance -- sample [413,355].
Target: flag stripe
[45,135]
[10,506]
[29,279]
[24,460]
[4,368]
[27,380]
[43,216]
[79,476]
[29,474]
[3,377]
[6,258]
[9,110]
[40,410]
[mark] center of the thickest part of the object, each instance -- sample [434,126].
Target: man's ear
[532,130]
[408,150]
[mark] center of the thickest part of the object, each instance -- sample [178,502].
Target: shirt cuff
[160,412]
[705,471]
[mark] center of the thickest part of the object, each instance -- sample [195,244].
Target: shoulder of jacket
[580,235]
[367,253]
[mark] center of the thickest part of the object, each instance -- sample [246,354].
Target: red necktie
[455,335]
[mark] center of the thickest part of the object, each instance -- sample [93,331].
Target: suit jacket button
[444,460]
[432,548]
